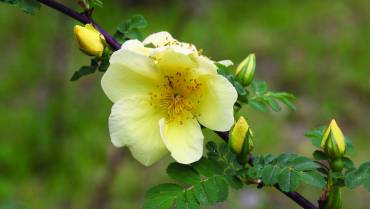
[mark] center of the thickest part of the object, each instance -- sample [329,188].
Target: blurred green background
[55,151]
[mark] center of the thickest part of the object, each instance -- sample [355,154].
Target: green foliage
[287,170]
[348,163]
[100,64]
[360,176]
[97,3]
[225,160]
[162,196]
[201,189]
[261,98]
[205,182]
[130,29]
[183,173]
[315,134]
[28,6]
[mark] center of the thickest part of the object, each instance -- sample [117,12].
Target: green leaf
[288,103]
[134,34]
[97,3]
[208,167]
[315,135]
[119,37]
[270,174]
[313,178]
[84,70]
[242,93]
[137,22]
[268,159]
[289,179]
[183,173]
[353,179]
[348,163]
[162,196]
[221,161]
[304,164]
[258,105]
[159,203]
[207,191]
[349,146]
[234,182]
[320,155]
[285,158]
[287,170]
[129,29]
[273,104]
[212,190]
[163,190]
[104,64]
[211,146]
[224,149]
[255,172]
[364,168]
[187,201]
[263,98]
[259,87]
[97,63]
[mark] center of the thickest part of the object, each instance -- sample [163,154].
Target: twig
[81,18]
[295,196]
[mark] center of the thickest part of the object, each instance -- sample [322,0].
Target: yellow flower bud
[89,39]
[240,140]
[245,70]
[333,141]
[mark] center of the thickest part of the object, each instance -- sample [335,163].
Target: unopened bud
[240,140]
[90,41]
[333,141]
[245,70]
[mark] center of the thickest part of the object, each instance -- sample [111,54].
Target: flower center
[178,95]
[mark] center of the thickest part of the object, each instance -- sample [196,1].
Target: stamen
[177,96]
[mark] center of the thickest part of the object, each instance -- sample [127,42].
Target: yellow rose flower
[161,95]
[89,40]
